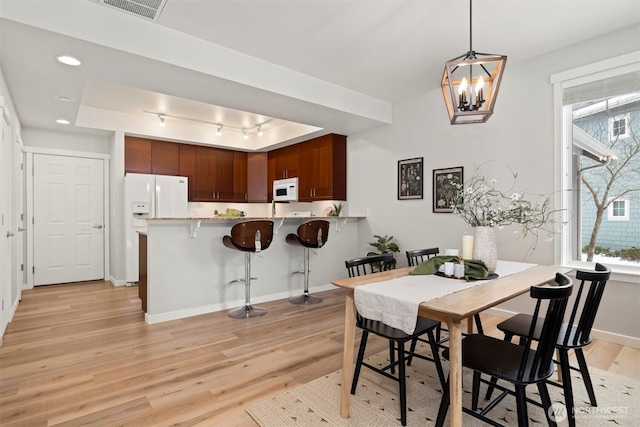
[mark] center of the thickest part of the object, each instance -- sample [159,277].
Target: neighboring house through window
[598,111]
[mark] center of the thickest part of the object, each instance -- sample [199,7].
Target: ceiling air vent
[148,9]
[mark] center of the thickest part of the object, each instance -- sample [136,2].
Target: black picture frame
[444,188]
[410,179]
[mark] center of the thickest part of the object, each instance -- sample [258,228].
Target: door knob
[20,229]
[9,234]
[98,226]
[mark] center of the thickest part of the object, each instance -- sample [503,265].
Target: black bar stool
[312,234]
[248,237]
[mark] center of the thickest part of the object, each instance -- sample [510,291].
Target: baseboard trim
[611,337]
[117,283]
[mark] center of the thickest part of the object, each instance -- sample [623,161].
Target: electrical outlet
[368,211]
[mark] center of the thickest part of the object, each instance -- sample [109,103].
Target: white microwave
[285,190]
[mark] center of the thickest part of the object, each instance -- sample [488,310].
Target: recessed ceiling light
[69,60]
[63,121]
[64,98]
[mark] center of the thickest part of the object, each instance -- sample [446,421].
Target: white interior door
[68,222]
[5,225]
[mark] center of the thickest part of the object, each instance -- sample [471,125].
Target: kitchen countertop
[249,218]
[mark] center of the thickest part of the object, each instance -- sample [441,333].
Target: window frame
[611,210]
[612,120]
[565,178]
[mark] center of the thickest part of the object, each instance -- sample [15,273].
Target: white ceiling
[307,67]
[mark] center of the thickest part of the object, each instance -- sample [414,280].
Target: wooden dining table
[451,309]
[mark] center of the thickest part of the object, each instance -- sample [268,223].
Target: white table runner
[395,302]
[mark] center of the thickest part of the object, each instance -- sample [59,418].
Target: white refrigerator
[149,196]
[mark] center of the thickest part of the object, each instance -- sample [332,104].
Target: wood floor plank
[81,354]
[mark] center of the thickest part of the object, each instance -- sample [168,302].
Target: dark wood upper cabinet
[137,155]
[188,165]
[219,175]
[323,168]
[257,177]
[224,175]
[142,155]
[204,184]
[165,158]
[240,176]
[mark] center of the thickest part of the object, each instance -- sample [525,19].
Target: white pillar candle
[467,246]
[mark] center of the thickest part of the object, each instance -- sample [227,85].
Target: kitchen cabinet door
[240,176]
[137,155]
[257,177]
[187,166]
[224,176]
[165,158]
[204,186]
[323,168]
[286,162]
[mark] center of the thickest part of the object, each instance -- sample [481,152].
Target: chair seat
[520,323]
[479,352]
[391,333]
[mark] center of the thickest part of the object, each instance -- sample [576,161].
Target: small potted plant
[336,210]
[384,244]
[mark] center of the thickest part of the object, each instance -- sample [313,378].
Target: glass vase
[485,247]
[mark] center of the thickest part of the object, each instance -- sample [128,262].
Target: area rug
[375,403]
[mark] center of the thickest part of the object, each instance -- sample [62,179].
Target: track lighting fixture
[246,130]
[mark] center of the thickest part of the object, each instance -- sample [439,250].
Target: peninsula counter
[189,270]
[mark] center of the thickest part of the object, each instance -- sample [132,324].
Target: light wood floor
[81,354]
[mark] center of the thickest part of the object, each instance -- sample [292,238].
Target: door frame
[30,152]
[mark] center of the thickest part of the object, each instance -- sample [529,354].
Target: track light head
[260,133]
[161,117]
[219,130]
[244,134]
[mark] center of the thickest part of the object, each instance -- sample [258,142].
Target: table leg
[455,371]
[347,353]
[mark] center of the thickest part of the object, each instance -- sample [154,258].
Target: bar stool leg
[305,298]
[247,310]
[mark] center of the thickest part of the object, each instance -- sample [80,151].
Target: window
[619,127]
[598,111]
[618,210]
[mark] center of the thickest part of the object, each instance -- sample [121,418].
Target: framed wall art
[410,182]
[444,188]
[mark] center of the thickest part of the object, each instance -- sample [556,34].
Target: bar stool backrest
[314,234]
[244,235]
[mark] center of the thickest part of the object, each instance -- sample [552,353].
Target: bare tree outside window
[617,126]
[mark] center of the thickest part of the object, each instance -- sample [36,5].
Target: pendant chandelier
[470,84]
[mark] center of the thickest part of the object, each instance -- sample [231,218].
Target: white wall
[519,135]
[62,140]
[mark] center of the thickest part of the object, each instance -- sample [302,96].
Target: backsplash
[207,209]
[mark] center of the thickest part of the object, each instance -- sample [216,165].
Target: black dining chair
[520,365]
[573,336]
[417,256]
[397,338]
